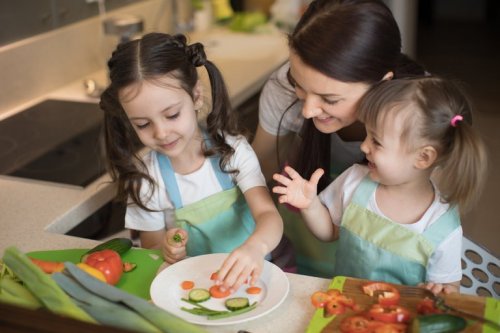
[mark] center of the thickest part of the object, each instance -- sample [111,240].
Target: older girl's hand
[297,191]
[174,245]
[243,265]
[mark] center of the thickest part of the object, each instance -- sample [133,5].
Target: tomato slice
[387,293]
[356,324]
[320,298]
[389,314]
[334,307]
[253,290]
[214,276]
[217,293]
[187,285]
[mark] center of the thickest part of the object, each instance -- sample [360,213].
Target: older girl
[198,190]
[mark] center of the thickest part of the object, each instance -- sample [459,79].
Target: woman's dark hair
[151,58]
[350,41]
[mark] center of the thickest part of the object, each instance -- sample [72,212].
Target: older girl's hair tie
[456,118]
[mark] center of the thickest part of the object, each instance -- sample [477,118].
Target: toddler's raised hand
[297,191]
[174,245]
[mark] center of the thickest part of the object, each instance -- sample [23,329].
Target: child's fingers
[292,173]
[255,276]
[317,175]
[280,190]
[281,179]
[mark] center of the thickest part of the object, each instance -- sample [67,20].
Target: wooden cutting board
[410,296]
[136,282]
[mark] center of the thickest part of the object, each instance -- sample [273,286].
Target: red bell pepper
[387,293]
[389,314]
[108,262]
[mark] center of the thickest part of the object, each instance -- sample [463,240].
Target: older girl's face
[163,116]
[330,103]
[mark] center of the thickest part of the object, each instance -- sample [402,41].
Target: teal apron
[217,224]
[373,247]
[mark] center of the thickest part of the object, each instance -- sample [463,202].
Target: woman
[338,50]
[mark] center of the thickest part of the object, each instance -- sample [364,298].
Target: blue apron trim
[364,191]
[444,226]
[168,175]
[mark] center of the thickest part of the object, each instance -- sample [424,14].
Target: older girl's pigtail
[220,120]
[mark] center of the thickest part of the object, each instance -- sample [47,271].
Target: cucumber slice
[198,295]
[236,303]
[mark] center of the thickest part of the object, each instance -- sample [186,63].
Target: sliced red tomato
[387,293]
[108,262]
[187,285]
[334,307]
[389,314]
[217,293]
[427,306]
[356,324]
[253,290]
[214,276]
[320,298]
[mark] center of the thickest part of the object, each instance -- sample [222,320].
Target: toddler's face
[163,115]
[389,159]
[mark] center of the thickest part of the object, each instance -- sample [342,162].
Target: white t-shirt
[276,97]
[444,265]
[192,187]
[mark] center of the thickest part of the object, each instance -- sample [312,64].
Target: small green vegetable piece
[177,238]
[236,303]
[199,295]
[200,310]
[438,323]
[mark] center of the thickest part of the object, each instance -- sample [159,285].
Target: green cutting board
[136,282]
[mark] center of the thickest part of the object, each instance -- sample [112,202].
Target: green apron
[217,224]
[373,247]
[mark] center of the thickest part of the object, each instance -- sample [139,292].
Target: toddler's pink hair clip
[456,118]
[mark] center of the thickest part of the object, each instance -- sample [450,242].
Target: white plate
[166,291]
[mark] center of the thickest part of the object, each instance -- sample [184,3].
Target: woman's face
[330,103]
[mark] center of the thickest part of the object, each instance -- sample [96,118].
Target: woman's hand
[174,245]
[297,191]
[243,265]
